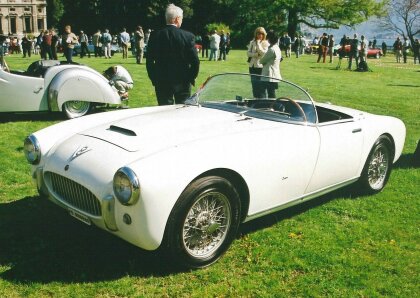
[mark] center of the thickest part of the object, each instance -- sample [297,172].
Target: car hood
[158,129]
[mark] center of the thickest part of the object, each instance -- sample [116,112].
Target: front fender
[80,84]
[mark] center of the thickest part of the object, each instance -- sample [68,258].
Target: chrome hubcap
[206,224]
[77,107]
[378,168]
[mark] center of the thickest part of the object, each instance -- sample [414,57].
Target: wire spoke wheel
[378,167]
[206,224]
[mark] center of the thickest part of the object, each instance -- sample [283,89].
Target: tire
[203,223]
[75,109]
[378,167]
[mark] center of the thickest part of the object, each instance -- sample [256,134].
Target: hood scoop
[122,130]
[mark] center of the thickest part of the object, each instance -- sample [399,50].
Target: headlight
[126,186]
[32,150]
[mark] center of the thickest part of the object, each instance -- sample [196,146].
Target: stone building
[18,17]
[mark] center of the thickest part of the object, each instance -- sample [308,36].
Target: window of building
[27,9]
[28,27]
[13,25]
[40,10]
[12,9]
[1,25]
[40,24]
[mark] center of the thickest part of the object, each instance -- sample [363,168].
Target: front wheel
[74,109]
[378,166]
[203,222]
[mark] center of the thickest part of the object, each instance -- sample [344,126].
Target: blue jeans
[213,54]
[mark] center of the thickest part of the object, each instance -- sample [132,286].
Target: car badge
[78,152]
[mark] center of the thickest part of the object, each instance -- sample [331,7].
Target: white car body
[50,85]
[277,163]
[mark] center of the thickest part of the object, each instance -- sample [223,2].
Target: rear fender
[82,85]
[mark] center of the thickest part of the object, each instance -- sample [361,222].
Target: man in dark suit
[172,61]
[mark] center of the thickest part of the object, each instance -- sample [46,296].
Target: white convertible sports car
[48,85]
[183,177]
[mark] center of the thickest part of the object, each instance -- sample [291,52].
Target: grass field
[338,245]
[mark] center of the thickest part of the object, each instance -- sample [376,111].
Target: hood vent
[124,131]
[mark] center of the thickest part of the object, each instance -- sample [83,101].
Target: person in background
[271,66]
[363,52]
[342,50]
[256,49]
[206,44]
[406,49]
[97,45]
[172,61]
[287,45]
[222,46]
[147,36]
[125,40]
[119,77]
[416,51]
[398,49]
[46,45]
[384,48]
[298,44]
[69,39]
[331,47]
[83,38]
[133,44]
[26,46]
[374,42]
[139,42]
[106,44]
[354,51]
[228,47]
[214,45]
[55,40]
[323,48]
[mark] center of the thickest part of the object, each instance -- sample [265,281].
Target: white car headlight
[32,150]
[126,186]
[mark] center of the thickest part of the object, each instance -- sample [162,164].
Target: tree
[403,18]
[55,10]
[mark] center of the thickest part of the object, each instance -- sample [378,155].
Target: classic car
[182,178]
[50,85]
[371,53]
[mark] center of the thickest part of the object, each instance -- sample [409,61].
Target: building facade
[19,17]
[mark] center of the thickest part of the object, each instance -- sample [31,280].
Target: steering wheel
[278,99]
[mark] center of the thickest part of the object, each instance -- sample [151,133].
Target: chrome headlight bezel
[129,193]
[32,150]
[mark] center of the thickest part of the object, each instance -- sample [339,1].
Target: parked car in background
[183,177]
[371,53]
[48,85]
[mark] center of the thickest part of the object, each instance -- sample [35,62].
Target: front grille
[74,194]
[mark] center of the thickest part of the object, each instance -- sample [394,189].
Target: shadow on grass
[406,161]
[404,85]
[40,242]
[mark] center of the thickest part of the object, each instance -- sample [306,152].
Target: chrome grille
[74,194]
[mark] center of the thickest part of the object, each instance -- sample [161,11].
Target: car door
[339,154]
[21,93]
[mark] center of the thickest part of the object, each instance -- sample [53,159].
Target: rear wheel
[203,223]
[378,166]
[76,108]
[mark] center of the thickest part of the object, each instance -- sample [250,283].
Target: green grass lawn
[338,245]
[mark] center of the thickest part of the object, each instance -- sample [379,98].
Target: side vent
[125,131]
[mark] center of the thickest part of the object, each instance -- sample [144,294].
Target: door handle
[37,89]
[356,130]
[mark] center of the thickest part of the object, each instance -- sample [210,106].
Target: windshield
[256,96]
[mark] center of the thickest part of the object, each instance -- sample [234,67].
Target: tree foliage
[242,16]
[55,10]
[403,18]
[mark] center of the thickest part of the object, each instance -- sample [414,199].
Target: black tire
[378,167]
[203,223]
[75,109]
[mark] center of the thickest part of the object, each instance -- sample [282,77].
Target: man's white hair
[172,12]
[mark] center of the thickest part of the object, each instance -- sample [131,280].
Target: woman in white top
[256,49]
[271,65]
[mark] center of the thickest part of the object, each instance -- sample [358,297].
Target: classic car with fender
[182,178]
[50,85]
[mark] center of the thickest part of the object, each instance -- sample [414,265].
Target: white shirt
[122,75]
[214,41]
[124,37]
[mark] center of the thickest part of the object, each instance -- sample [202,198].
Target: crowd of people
[174,67]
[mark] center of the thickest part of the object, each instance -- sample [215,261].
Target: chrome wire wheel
[378,168]
[206,224]
[76,108]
